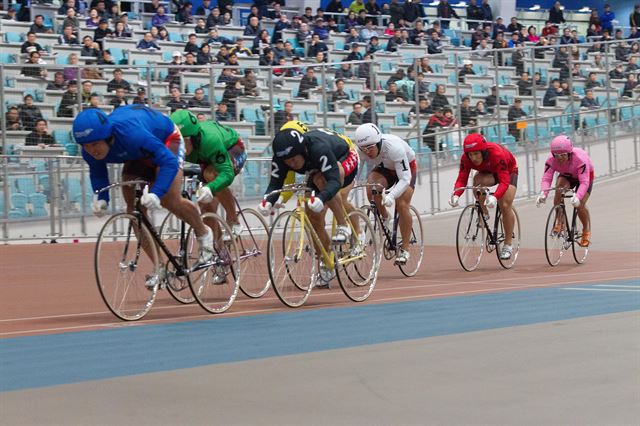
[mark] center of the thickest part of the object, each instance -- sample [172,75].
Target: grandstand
[40,184]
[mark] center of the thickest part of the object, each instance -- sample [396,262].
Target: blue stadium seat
[175,37]
[38,202]
[62,137]
[19,204]
[25,185]
[13,37]
[71,149]
[402,119]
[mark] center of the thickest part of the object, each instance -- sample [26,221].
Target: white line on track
[600,289]
[280,309]
[617,286]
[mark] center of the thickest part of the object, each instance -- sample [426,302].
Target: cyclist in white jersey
[392,164]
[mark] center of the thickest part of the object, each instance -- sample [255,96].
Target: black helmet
[288,143]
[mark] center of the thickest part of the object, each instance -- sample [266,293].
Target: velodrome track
[533,345]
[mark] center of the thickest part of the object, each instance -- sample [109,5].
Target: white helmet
[368,134]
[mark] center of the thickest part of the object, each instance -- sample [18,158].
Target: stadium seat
[62,137]
[402,119]
[38,202]
[71,149]
[25,185]
[12,37]
[19,204]
[175,37]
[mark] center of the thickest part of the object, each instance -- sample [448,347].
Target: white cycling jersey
[396,155]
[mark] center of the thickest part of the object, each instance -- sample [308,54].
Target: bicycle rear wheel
[291,259]
[122,267]
[579,253]
[252,244]
[508,263]
[554,242]
[358,260]
[470,238]
[178,287]
[416,245]
[216,287]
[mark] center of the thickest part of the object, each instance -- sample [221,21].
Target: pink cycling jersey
[579,167]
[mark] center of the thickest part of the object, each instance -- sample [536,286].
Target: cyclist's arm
[288,180]
[584,178]
[278,173]
[166,162]
[547,177]
[328,165]
[98,174]
[221,162]
[463,176]
[404,174]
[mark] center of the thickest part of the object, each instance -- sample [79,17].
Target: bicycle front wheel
[579,253]
[215,287]
[252,244]
[416,245]
[358,259]
[170,230]
[515,242]
[125,259]
[555,235]
[291,259]
[470,238]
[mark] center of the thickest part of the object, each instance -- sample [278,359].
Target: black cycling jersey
[323,149]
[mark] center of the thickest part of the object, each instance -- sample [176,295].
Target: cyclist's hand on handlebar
[149,199]
[280,203]
[541,199]
[315,204]
[490,201]
[453,201]
[204,195]
[388,199]
[575,201]
[265,208]
[99,207]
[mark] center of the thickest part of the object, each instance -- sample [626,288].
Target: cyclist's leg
[317,221]
[136,170]
[181,207]
[403,203]
[377,176]
[483,179]
[508,217]
[561,183]
[225,196]
[583,213]
[335,203]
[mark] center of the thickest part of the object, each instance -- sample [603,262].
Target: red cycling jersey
[498,161]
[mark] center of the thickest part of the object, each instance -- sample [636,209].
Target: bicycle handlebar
[116,184]
[370,185]
[484,189]
[292,187]
[566,192]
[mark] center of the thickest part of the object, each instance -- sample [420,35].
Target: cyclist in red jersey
[495,166]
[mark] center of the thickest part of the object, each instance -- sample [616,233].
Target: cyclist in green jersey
[221,155]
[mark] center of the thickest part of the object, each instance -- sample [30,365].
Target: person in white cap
[393,165]
[467,69]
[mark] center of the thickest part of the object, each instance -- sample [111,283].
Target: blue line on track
[38,361]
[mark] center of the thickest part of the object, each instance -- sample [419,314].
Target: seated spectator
[284,115]
[369,115]
[424,105]
[261,42]
[356,115]
[362,18]
[374,45]
[250,83]
[93,20]
[32,69]
[368,31]
[39,136]
[531,35]
[205,8]
[296,70]
[279,51]
[308,82]
[316,46]
[214,37]
[72,72]
[592,81]
[67,37]
[589,100]
[354,55]
[467,69]
[617,72]
[68,4]
[353,37]
[106,58]
[12,119]
[253,27]
[120,98]
[422,84]
[31,43]
[121,31]
[199,100]
[192,44]
[344,72]
[222,112]
[466,112]
[231,92]
[439,100]
[176,102]
[393,95]
[185,14]
[160,19]
[321,29]
[223,55]
[524,85]
[159,34]
[552,93]
[434,46]
[227,76]
[190,61]
[372,8]
[364,70]
[204,55]
[424,67]
[538,81]
[141,98]
[395,41]
[282,24]
[483,49]
[517,58]
[351,21]
[58,82]
[175,69]
[101,32]
[215,19]
[492,100]
[632,66]
[201,26]
[234,64]
[417,34]
[437,121]
[303,34]
[445,12]
[480,109]
[118,82]
[151,7]
[89,48]
[87,90]
[630,85]
[339,94]
[514,114]
[39,27]
[93,102]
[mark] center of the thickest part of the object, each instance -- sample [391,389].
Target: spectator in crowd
[29,113]
[284,115]
[316,46]
[514,26]
[192,44]
[350,22]
[94,101]
[101,32]
[538,81]
[467,69]
[524,85]
[205,8]
[71,19]
[589,100]
[321,29]
[204,55]
[466,112]
[440,100]
[634,34]
[159,34]
[12,119]
[215,19]
[394,43]
[227,76]
[199,100]
[253,27]
[550,96]
[118,82]
[630,85]
[364,70]
[556,16]
[394,95]
[531,35]
[268,58]
[243,51]
[356,6]
[32,68]
[39,27]
[368,31]
[58,82]
[185,14]
[226,6]
[517,58]
[617,72]
[31,43]
[372,8]
[276,13]
[141,98]
[483,49]
[279,51]
[93,20]
[492,100]
[106,58]
[68,4]
[339,94]
[353,37]
[222,112]
[396,10]
[369,116]
[607,18]
[307,83]
[250,83]
[486,11]
[418,34]
[632,65]
[151,7]
[424,105]
[412,11]
[514,114]
[67,37]
[499,43]
[335,6]
[498,27]
[354,55]
[444,12]
[356,115]
[223,55]
[634,17]
[71,72]
[89,48]
[374,45]
[344,72]
[176,102]
[441,118]
[566,37]
[119,99]
[481,109]
[231,92]
[87,90]
[190,61]
[434,45]
[160,19]
[622,51]
[474,15]
[39,136]
[214,37]
[592,81]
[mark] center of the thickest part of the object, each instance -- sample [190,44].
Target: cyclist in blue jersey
[151,148]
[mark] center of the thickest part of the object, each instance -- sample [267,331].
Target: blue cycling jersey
[139,133]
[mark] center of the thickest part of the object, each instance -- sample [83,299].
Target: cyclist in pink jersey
[575,170]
